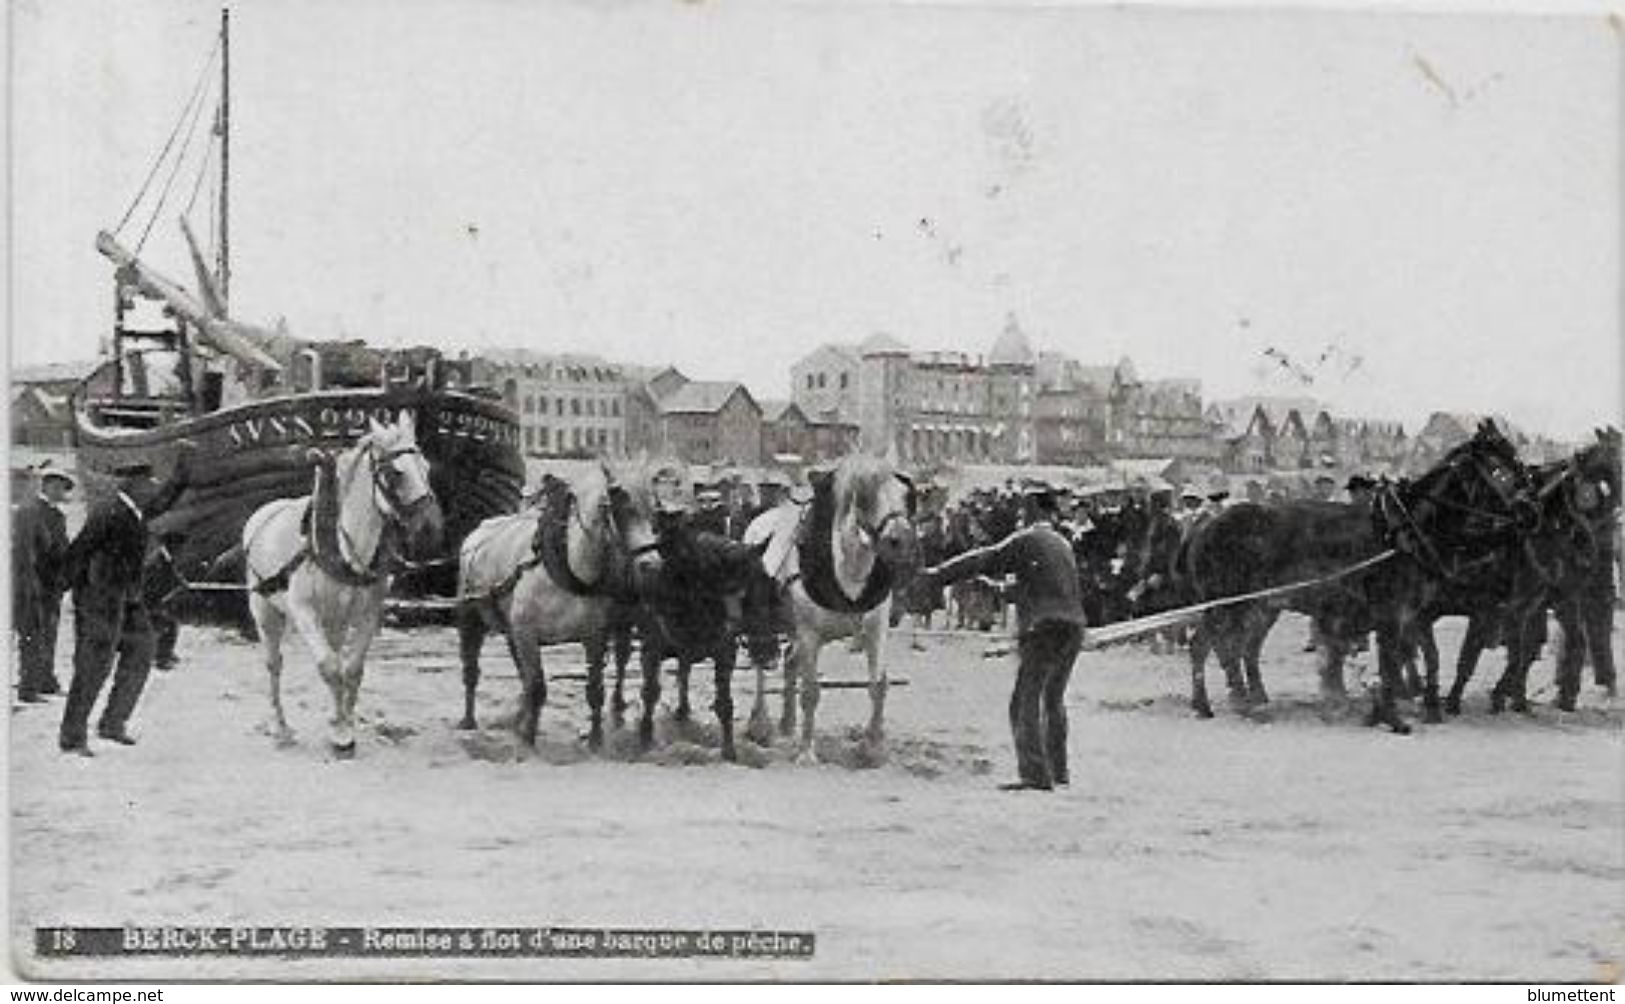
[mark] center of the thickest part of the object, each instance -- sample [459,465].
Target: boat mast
[223,266]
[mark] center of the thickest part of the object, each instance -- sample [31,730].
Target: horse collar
[817,559]
[323,540]
[552,544]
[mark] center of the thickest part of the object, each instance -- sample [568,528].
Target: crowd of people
[119,574]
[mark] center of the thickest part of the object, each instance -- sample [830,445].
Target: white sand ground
[1304,847]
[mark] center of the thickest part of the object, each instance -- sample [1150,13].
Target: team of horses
[1480,534]
[593,560]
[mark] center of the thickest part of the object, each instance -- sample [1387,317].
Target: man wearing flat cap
[104,566]
[39,540]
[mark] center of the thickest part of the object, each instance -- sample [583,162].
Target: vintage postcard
[834,491]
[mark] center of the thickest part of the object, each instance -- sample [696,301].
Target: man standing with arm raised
[1050,623]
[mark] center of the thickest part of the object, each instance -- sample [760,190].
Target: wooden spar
[223,269]
[205,282]
[226,336]
[1112,634]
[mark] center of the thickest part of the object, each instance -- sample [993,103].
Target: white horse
[323,562]
[552,574]
[834,559]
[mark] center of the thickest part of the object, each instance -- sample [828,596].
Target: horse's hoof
[730,754]
[1431,716]
[1202,711]
[759,736]
[467,725]
[1564,704]
[595,740]
[344,751]
[807,758]
[1452,706]
[1522,707]
[682,714]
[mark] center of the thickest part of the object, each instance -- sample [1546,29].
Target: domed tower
[1012,369]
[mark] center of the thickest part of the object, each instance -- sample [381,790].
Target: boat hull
[251,454]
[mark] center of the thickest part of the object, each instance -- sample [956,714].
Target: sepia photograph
[830,491]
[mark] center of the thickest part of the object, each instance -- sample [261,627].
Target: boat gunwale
[99,434]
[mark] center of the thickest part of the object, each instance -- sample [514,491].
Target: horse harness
[550,545]
[325,538]
[817,562]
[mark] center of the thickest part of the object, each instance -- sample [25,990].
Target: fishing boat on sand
[255,402]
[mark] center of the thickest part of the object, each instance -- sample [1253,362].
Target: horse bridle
[379,462]
[906,514]
[1591,517]
[874,532]
[617,533]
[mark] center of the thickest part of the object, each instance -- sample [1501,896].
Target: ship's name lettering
[328,423]
[346,423]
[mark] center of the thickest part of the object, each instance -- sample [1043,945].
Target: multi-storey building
[924,407]
[789,436]
[1164,418]
[568,404]
[711,422]
[1272,434]
[1073,408]
[824,384]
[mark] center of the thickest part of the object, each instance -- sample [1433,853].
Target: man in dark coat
[39,540]
[105,565]
[1050,623]
[161,582]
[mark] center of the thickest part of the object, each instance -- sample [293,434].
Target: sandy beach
[1296,846]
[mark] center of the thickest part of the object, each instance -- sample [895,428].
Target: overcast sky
[1415,211]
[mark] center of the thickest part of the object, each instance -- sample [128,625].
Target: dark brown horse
[693,611]
[1249,548]
[1557,555]
[1565,564]
[1450,522]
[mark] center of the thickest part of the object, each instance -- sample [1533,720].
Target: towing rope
[1126,630]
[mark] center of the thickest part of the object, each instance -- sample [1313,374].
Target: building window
[575,406]
[821,378]
[845,377]
[560,402]
[575,438]
[530,438]
[810,381]
[615,407]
